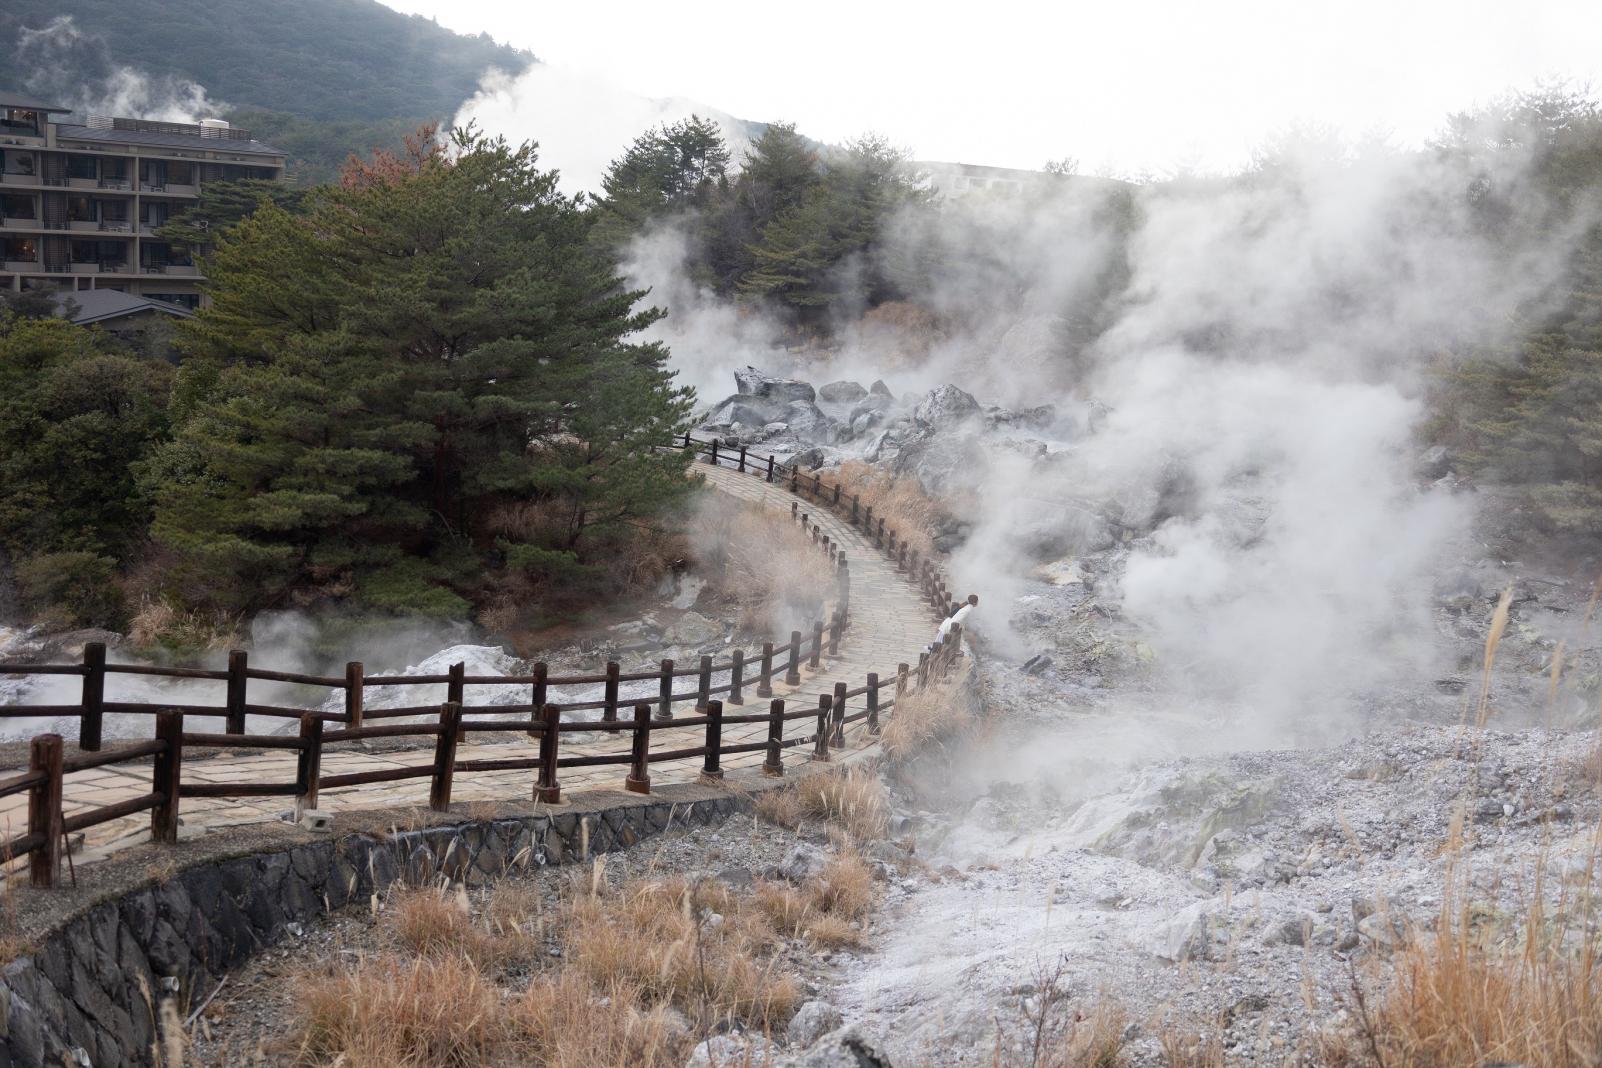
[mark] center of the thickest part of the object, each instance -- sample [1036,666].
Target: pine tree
[431,340]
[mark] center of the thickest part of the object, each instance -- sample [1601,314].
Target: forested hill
[321,59]
[318,78]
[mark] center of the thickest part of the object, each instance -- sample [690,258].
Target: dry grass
[899,501]
[852,799]
[1190,1048]
[919,720]
[157,624]
[658,938]
[440,922]
[827,910]
[388,1013]
[762,565]
[560,1024]
[1457,998]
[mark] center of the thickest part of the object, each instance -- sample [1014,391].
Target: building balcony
[112,226]
[18,178]
[22,266]
[175,270]
[20,223]
[113,183]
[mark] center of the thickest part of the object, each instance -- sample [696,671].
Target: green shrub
[74,589]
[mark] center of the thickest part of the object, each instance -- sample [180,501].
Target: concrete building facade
[80,204]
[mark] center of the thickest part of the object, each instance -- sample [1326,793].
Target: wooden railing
[543,718]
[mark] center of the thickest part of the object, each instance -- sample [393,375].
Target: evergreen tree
[815,254]
[676,169]
[429,341]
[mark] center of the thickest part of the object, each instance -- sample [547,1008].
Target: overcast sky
[1123,87]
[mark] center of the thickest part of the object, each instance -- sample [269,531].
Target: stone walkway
[890,624]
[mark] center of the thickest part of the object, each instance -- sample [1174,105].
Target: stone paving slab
[890,624]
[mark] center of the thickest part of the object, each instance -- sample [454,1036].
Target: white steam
[75,69]
[581,122]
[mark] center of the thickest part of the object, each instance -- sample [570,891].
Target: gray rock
[802,863]
[1036,665]
[809,423]
[731,1051]
[849,1047]
[879,388]
[811,1022]
[842,392]
[1184,936]
[751,382]
[1435,463]
[945,406]
[940,462]
[873,402]
[1381,929]
[865,422]
[746,411]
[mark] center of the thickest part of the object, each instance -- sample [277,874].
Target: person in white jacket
[960,616]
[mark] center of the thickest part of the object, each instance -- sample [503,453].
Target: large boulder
[808,422]
[731,1051]
[811,1022]
[940,462]
[873,402]
[842,392]
[944,407]
[751,382]
[747,410]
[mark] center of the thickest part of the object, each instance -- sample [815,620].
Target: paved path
[890,624]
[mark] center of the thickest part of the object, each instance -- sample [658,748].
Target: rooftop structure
[80,203]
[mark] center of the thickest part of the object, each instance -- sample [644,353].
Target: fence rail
[44,781]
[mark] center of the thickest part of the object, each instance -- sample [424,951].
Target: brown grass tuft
[760,564]
[852,799]
[660,939]
[439,922]
[388,1013]
[561,1025]
[899,501]
[918,720]
[826,910]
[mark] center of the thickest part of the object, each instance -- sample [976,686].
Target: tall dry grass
[901,502]
[930,717]
[852,799]
[761,565]
[827,910]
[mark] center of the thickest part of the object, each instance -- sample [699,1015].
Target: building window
[17,121]
[21,250]
[81,167]
[13,206]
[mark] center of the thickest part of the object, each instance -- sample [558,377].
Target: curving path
[890,624]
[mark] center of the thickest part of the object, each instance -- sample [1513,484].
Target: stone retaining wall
[89,995]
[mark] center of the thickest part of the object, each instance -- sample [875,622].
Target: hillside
[318,78]
[321,59]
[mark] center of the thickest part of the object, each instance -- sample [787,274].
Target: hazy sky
[1120,86]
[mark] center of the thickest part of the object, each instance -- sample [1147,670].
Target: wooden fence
[48,766]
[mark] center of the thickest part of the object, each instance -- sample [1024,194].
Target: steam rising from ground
[75,69]
[582,122]
[1245,405]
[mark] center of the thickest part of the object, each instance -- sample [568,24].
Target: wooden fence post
[686,439]
[639,777]
[547,789]
[355,696]
[664,697]
[742,459]
[765,683]
[792,488]
[238,663]
[834,633]
[537,691]
[453,684]
[703,685]
[774,764]
[712,767]
[44,810]
[867,520]
[838,741]
[817,646]
[820,744]
[736,677]
[901,560]
[873,702]
[923,671]
[309,768]
[837,495]
[609,713]
[792,677]
[166,775]
[856,501]
[770,469]
[450,726]
[94,696]
[902,671]
[878,537]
